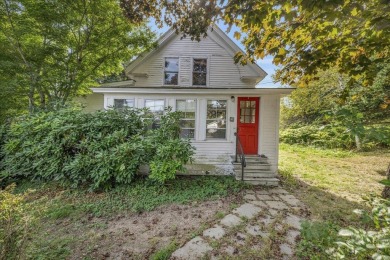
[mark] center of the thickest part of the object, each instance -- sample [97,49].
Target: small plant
[361,243]
[166,252]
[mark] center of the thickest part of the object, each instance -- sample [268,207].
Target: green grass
[166,252]
[331,183]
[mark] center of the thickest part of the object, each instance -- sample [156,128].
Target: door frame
[257,119]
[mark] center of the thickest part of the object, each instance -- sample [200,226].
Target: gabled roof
[222,37]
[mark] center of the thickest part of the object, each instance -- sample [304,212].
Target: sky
[265,64]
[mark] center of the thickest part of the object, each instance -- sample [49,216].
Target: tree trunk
[386,190]
[358,143]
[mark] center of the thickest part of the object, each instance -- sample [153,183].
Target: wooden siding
[92,102]
[269,128]
[222,72]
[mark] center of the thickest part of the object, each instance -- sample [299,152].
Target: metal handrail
[240,153]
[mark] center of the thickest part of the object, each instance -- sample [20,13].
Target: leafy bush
[328,136]
[14,223]
[360,243]
[98,149]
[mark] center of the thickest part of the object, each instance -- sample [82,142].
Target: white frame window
[120,103]
[200,70]
[156,109]
[216,119]
[171,66]
[188,109]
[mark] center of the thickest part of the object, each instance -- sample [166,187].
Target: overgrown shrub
[328,136]
[363,244]
[98,149]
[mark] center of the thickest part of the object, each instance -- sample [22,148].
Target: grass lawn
[132,222]
[331,183]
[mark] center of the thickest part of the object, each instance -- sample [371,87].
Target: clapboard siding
[269,128]
[221,68]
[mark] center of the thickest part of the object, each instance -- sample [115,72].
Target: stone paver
[285,249]
[276,204]
[259,203]
[270,207]
[194,249]
[291,236]
[265,197]
[231,220]
[215,232]
[293,221]
[250,197]
[290,199]
[247,210]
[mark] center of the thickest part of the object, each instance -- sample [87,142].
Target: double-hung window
[187,123]
[216,119]
[171,71]
[199,72]
[122,103]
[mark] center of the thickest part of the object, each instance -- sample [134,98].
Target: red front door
[248,123]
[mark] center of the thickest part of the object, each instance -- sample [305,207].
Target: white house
[217,96]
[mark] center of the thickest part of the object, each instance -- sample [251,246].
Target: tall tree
[304,36]
[54,50]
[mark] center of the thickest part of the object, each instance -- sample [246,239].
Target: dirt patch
[139,235]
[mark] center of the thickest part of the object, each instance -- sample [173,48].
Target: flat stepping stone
[247,210]
[276,204]
[194,249]
[250,197]
[285,249]
[266,220]
[215,232]
[290,199]
[255,230]
[293,221]
[262,192]
[239,238]
[258,203]
[265,197]
[291,236]
[278,191]
[231,220]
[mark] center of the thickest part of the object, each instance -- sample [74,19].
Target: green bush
[98,149]
[362,244]
[328,136]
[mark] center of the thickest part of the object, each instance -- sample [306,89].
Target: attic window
[199,72]
[171,71]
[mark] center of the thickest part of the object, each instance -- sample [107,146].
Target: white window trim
[163,72]
[192,71]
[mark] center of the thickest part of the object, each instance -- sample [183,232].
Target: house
[218,98]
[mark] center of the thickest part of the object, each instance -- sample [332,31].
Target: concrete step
[250,166]
[253,158]
[255,174]
[264,182]
[253,171]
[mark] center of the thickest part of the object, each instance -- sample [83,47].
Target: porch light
[233,98]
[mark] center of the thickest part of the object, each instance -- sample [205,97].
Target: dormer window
[199,72]
[171,71]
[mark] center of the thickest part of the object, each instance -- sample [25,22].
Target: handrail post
[236,147]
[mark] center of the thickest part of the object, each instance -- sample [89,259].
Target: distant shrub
[98,149]
[328,136]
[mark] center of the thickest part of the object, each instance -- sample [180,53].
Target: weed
[166,252]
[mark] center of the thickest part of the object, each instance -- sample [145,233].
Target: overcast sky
[265,64]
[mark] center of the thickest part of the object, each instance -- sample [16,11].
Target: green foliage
[166,252]
[54,50]
[15,222]
[357,242]
[302,36]
[330,136]
[98,149]
[316,238]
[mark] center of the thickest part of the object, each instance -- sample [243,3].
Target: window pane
[121,103]
[187,123]
[187,133]
[199,79]
[216,133]
[200,65]
[172,64]
[156,106]
[171,78]
[216,119]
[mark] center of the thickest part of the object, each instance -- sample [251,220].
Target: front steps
[257,171]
